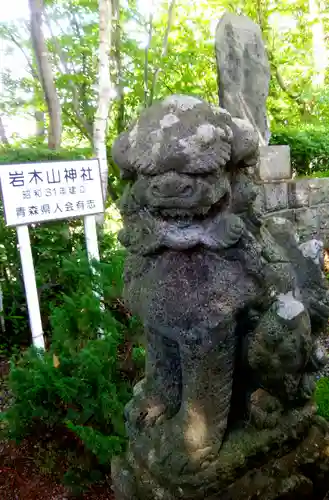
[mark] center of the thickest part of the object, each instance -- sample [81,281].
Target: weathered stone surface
[311,221]
[260,201]
[313,249]
[300,474]
[287,214]
[232,307]
[323,219]
[298,193]
[274,163]
[307,222]
[243,71]
[319,191]
[276,196]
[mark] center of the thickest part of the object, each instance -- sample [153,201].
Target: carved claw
[142,411]
[307,386]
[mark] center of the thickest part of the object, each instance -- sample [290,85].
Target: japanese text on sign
[37,192]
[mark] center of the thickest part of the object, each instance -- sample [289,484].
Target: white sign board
[38,192]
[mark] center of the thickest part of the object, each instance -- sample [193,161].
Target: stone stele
[243,71]
[232,309]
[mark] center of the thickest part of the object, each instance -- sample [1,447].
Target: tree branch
[146,59]
[3,135]
[118,63]
[45,74]
[75,24]
[17,43]
[164,49]
[88,129]
[284,87]
[167,87]
[74,120]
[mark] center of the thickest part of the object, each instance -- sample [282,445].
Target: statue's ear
[121,154]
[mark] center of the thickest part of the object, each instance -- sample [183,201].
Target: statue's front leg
[158,395]
[195,434]
[207,371]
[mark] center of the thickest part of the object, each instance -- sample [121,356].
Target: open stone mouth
[191,214]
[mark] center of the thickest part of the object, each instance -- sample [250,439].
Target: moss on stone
[322,397]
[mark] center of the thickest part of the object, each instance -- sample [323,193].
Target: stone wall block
[260,201]
[298,193]
[274,163]
[276,196]
[318,191]
[307,223]
[323,211]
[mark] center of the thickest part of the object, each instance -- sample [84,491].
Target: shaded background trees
[156,50]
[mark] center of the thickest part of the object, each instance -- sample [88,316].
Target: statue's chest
[192,287]
[193,272]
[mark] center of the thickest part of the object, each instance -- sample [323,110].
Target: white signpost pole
[31,291]
[91,237]
[90,228]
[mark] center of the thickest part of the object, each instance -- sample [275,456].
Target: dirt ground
[22,479]
[24,471]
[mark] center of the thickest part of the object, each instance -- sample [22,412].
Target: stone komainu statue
[232,308]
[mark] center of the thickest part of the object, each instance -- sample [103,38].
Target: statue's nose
[172,186]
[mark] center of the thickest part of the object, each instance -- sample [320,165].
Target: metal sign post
[31,291]
[91,237]
[93,253]
[42,192]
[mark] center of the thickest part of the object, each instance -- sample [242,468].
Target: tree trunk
[320,56]
[66,70]
[118,63]
[38,115]
[45,74]
[40,123]
[104,88]
[3,136]
[146,59]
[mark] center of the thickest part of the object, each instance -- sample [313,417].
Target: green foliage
[104,447]
[38,153]
[187,65]
[309,148]
[78,386]
[322,397]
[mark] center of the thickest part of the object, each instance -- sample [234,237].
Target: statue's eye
[203,175]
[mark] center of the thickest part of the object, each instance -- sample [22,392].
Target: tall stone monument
[232,308]
[243,81]
[243,71]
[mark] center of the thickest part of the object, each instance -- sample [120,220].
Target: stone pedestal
[274,164]
[290,461]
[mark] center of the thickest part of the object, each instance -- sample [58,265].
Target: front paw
[144,411]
